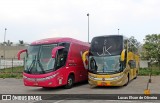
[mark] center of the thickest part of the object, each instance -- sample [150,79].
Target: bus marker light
[108,84]
[50,83]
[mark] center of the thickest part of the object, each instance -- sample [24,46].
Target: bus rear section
[110,62]
[54,62]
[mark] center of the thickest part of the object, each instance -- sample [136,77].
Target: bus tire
[70,82]
[92,86]
[127,80]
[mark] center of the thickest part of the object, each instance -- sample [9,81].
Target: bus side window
[132,47]
[125,44]
[60,60]
[62,55]
[123,63]
[132,64]
[93,65]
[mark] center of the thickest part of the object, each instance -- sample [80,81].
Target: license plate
[35,84]
[104,83]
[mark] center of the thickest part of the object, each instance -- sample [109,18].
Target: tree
[21,42]
[152,48]
[133,44]
[8,43]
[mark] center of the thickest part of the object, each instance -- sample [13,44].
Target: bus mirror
[123,55]
[20,52]
[85,59]
[54,50]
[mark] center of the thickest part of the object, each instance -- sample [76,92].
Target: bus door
[61,59]
[132,65]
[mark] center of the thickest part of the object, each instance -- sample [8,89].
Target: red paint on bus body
[74,65]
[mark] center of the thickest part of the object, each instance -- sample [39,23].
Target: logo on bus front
[103,79]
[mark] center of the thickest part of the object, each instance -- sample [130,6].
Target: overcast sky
[31,20]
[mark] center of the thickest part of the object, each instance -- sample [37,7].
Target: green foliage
[21,43]
[11,75]
[15,72]
[152,48]
[146,71]
[8,43]
[133,44]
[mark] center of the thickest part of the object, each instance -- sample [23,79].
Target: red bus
[54,62]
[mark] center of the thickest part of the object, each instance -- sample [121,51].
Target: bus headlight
[50,77]
[116,77]
[91,77]
[24,77]
[47,78]
[106,79]
[94,78]
[41,79]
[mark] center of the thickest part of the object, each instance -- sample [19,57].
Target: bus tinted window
[102,46]
[62,55]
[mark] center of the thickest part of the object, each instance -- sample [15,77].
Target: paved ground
[137,86]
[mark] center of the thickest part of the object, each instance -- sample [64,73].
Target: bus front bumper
[46,80]
[107,81]
[34,82]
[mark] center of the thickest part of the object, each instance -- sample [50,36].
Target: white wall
[144,63]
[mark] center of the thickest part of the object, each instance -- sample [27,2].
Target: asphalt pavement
[136,86]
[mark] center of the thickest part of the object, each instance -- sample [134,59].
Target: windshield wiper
[116,71]
[40,65]
[32,64]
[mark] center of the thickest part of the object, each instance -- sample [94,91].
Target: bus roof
[57,40]
[124,37]
[107,36]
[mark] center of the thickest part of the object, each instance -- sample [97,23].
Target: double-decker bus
[54,62]
[112,61]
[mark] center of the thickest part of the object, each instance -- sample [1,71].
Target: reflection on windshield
[46,59]
[31,64]
[107,64]
[106,46]
[31,58]
[38,59]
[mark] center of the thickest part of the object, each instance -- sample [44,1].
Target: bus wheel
[127,80]
[92,86]
[70,82]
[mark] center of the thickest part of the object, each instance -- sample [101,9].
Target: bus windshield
[106,46]
[107,64]
[39,60]
[105,54]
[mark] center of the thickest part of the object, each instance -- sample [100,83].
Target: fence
[11,65]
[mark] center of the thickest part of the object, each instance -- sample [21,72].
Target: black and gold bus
[112,61]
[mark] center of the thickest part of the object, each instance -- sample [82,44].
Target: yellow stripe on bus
[84,56]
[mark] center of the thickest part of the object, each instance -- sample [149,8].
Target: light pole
[4,40]
[88,27]
[118,31]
